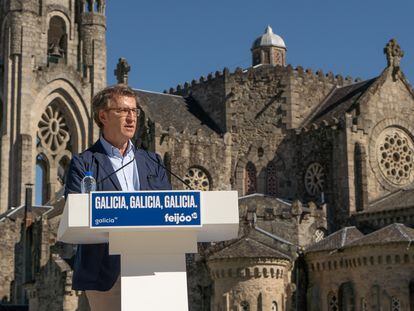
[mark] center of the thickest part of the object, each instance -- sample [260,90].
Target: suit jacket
[94,268]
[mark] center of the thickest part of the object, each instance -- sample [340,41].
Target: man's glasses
[123,112]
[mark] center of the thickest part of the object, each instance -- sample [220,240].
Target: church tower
[269,49]
[52,61]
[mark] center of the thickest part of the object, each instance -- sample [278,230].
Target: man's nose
[130,117]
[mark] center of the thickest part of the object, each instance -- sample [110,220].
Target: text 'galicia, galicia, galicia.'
[144,201]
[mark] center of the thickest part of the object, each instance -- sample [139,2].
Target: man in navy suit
[115,110]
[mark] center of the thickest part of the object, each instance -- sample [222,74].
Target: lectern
[151,231]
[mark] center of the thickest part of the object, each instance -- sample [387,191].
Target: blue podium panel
[145,209]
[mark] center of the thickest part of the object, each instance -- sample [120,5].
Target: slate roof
[336,240]
[390,234]
[247,247]
[176,111]
[396,200]
[339,101]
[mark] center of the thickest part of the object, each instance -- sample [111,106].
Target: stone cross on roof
[121,71]
[394,53]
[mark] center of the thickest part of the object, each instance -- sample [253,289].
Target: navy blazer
[94,268]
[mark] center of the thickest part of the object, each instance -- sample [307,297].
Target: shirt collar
[113,151]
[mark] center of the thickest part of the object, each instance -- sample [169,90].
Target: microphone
[154,160]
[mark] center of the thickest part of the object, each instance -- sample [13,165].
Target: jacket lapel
[106,165]
[142,170]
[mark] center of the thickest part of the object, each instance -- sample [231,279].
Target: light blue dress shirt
[128,176]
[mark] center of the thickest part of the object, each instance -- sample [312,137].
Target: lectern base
[156,280]
[162,291]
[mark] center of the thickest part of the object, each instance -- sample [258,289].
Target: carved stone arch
[73,103]
[59,33]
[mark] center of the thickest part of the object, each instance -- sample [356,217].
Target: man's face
[119,119]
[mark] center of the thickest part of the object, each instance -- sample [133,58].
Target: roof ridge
[343,240]
[155,92]
[404,234]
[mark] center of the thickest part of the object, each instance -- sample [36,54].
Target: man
[115,110]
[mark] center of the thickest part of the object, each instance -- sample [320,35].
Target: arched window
[274,306]
[56,39]
[346,297]
[88,5]
[271,179]
[259,302]
[41,193]
[250,182]
[54,144]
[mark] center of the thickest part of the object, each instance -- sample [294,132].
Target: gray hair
[101,99]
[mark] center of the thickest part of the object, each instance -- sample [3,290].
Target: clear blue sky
[171,42]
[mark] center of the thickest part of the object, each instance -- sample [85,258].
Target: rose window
[314,179]
[53,131]
[197,179]
[395,152]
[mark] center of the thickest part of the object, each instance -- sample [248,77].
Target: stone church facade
[323,166]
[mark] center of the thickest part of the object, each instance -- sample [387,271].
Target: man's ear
[103,116]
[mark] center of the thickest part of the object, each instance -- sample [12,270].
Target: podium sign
[151,231]
[145,209]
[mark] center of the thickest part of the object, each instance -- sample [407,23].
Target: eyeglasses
[123,112]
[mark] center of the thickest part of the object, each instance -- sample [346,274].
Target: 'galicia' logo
[100,221]
[179,218]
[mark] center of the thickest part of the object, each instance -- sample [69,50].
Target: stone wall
[378,275]
[255,283]
[211,154]
[10,233]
